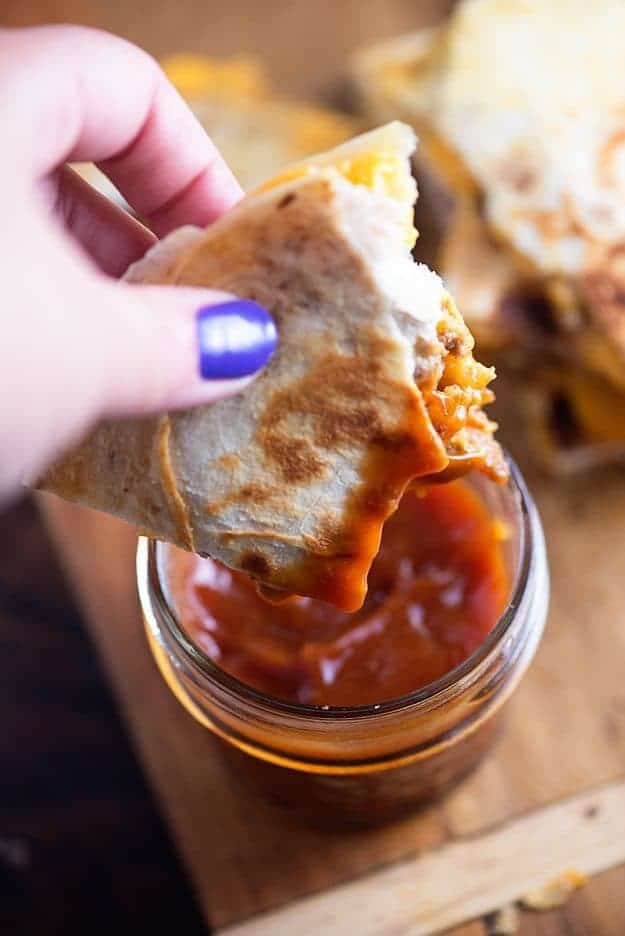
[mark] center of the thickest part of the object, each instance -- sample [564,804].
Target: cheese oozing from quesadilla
[373,386]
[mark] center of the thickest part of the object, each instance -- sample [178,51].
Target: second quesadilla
[520,105]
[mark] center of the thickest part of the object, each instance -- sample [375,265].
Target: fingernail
[235,339]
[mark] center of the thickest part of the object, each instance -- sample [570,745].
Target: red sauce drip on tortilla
[436,589]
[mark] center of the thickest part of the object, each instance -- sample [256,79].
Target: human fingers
[112,238]
[74,94]
[79,346]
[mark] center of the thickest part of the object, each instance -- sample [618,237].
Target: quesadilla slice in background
[257,130]
[520,108]
[373,386]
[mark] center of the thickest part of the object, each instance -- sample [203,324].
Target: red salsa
[436,589]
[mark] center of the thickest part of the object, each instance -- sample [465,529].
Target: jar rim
[150,588]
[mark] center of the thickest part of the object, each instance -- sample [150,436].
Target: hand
[76,344]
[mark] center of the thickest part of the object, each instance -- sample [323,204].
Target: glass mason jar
[365,764]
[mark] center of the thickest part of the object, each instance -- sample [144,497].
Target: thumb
[163,347]
[81,347]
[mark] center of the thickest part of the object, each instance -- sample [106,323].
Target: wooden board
[567,732]
[567,735]
[543,856]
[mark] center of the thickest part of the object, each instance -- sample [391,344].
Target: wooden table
[552,798]
[78,826]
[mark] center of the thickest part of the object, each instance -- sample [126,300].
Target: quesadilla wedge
[373,386]
[520,107]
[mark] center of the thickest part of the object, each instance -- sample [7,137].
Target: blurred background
[305,45]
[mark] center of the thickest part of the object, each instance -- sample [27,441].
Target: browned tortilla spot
[339,405]
[294,458]
[177,506]
[287,200]
[211,508]
[255,565]
[230,461]
[256,492]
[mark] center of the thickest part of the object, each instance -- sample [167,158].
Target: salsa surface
[436,589]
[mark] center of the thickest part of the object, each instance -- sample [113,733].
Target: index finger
[71,93]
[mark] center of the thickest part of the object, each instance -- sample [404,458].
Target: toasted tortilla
[373,385]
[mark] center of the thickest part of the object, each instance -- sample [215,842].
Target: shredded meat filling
[455,398]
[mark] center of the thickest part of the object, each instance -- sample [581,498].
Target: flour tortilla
[292,479]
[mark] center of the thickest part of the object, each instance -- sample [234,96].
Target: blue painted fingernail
[235,339]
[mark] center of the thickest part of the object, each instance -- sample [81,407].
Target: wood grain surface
[567,733]
[544,856]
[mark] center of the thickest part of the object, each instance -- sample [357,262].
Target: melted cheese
[385,171]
